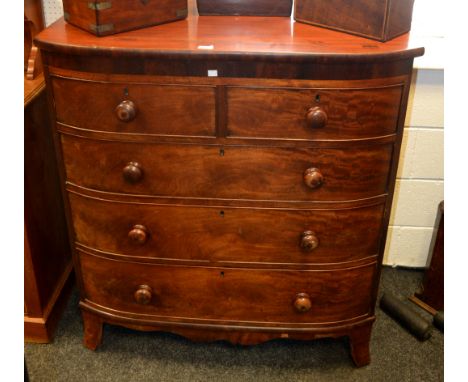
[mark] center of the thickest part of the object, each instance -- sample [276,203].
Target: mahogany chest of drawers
[228,177]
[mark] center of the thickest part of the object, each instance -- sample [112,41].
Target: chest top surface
[229,36]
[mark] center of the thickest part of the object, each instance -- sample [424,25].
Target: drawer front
[312,113]
[241,235]
[230,172]
[228,294]
[135,108]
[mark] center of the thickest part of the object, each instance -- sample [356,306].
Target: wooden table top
[228,36]
[32,88]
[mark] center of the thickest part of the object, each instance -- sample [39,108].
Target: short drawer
[240,235]
[135,108]
[228,294]
[312,114]
[210,171]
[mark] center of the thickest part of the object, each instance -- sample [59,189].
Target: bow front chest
[228,177]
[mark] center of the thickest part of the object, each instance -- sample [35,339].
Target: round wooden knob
[126,111]
[138,234]
[316,117]
[133,172]
[309,241]
[302,302]
[143,294]
[313,178]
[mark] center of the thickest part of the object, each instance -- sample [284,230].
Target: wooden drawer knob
[138,234]
[302,302]
[316,117]
[133,172]
[313,178]
[126,111]
[143,294]
[309,241]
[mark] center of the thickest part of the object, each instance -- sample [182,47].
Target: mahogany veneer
[48,276]
[228,177]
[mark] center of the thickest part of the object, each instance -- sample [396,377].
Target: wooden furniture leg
[92,330]
[359,340]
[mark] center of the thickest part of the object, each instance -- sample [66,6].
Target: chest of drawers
[228,178]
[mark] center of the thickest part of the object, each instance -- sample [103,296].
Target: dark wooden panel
[47,259]
[226,293]
[48,243]
[278,66]
[245,7]
[165,109]
[212,171]
[400,14]
[376,19]
[282,113]
[242,235]
[432,288]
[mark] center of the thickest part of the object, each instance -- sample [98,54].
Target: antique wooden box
[376,19]
[114,16]
[245,7]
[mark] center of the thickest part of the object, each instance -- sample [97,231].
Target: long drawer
[135,108]
[236,235]
[228,294]
[312,113]
[211,171]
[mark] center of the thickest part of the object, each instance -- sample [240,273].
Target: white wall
[420,179]
[53,10]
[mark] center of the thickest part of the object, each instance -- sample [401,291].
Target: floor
[128,355]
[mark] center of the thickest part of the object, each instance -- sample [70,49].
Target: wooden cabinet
[47,255]
[228,178]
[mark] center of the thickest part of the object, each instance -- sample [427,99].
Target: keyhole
[126,91]
[221,274]
[221,213]
[221,152]
[317,98]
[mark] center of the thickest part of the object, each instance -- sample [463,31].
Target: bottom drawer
[228,294]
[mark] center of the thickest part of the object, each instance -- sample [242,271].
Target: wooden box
[108,17]
[245,7]
[376,19]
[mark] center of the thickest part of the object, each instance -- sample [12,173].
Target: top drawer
[312,113]
[135,107]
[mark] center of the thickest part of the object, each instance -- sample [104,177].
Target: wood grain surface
[226,294]
[211,171]
[281,113]
[247,37]
[229,235]
[163,109]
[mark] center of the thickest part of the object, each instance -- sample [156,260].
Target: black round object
[409,319]
[439,320]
